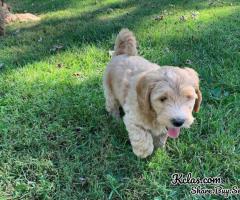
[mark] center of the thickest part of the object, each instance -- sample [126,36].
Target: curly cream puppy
[157,101]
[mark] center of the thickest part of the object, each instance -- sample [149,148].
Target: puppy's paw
[143,151]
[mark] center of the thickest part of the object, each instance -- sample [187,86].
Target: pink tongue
[173,132]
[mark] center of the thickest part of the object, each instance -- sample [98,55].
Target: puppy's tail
[125,43]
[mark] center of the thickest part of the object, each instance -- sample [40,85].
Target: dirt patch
[6,16]
[23,17]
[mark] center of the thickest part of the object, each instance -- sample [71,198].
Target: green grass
[56,139]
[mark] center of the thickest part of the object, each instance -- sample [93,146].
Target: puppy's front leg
[141,139]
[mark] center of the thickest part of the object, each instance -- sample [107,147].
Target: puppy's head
[169,96]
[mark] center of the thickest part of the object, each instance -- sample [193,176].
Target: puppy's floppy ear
[144,88]
[198,100]
[195,78]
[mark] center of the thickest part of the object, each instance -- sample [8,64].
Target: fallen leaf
[59,65]
[56,48]
[77,74]
[194,15]
[16,32]
[167,50]
[216,92]
[83,180]
[226,93]
[183,18]
[165,12]
[188,62]
[1,65]
[40,39]
[159,17]
[109,10]
[78,129]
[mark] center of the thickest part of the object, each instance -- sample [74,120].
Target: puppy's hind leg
[112,104]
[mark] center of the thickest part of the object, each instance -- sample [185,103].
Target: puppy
[157,101]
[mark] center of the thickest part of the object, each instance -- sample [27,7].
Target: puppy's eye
[163,99]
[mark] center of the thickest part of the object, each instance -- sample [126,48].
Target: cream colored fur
[149,95]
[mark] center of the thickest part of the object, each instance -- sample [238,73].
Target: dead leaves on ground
[183,18]
[56,48]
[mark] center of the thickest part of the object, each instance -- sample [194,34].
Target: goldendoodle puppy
[157,101]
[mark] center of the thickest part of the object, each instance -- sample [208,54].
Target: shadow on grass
[66,133]
[23,48]
[39,7]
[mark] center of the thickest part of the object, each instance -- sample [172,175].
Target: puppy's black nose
[177,122]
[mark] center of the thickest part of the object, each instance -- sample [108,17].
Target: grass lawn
[56,139]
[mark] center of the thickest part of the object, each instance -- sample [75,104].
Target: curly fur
[151,96]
